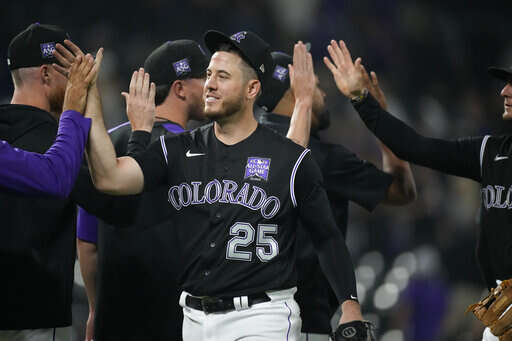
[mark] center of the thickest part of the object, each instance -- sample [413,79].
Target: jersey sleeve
[316,216]
[138,142]
[460,157]
[350,178]
[53,172]
[155,160]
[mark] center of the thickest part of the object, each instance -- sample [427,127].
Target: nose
[507,90]
[210,83]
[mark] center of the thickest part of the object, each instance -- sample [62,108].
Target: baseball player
[485,159]
[346,177]
[37,245]
[149,282]
[235,190]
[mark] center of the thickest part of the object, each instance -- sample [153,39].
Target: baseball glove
[493,310]
[354,331]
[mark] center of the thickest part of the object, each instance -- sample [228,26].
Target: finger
[83,65]
[61,70]
[366,78]
[145,85]
[68,55]
[74,67]
[346,52]
[152,92]
[291,73]
[74,48]
[336,54]
[96,65]
[133,83]
[62,59]
[140,80]
[89,64]
[375,80]
[330,65]
[125,95]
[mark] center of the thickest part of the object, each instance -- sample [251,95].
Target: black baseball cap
[253,49]
[173,60]
[278,81]
[503,73]
[34,46]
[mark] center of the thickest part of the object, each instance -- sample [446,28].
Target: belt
[218,304]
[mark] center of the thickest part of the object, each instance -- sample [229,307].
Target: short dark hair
[161,93]
[247,70]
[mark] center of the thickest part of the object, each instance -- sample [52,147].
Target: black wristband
[138,142]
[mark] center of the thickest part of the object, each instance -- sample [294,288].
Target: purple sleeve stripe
[482,151]
[55,171]
[86,226]
[292,177]
[164,148]
[118,126]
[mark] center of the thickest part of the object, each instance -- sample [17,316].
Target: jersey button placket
[212,244]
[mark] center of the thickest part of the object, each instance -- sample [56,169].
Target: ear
[178,89]
[253,88]
[44,73]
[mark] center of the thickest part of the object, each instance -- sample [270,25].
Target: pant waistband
[222,304]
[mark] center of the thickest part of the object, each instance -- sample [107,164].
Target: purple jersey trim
[292,177]
[118,126]
[86,226]
[289,322]
[173,128]
[53,172]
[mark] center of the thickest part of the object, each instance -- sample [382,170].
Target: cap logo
[262,68]
[47,49]
[181,67]
[238,37]
[280,73]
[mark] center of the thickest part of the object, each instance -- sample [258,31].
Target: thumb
[291,71]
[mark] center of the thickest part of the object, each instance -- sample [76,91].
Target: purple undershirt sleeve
[86,226]
[54,172]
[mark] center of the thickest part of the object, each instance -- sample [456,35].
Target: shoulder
[270,136]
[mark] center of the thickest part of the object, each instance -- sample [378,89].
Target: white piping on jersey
[482,150]
[164,148]
[118,126]
[292,178]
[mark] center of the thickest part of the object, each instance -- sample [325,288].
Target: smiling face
[506,93]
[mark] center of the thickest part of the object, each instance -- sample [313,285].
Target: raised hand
[372,84]
[79,77]
[140,101]
[302,75]
[66,55]
[347,74]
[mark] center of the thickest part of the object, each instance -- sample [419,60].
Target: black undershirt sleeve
[153,162]
[459,157]
[316,216]
[138,142]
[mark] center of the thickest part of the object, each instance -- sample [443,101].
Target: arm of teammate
[459,157]
[316,216]
[302,83]
[403,188]
[119,176]
[55,171]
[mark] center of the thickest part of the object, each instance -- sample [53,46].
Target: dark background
[415,265]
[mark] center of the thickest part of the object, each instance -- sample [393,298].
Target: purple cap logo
[238,37]
[181,67]
[280,73]
[257,168]
[47,49]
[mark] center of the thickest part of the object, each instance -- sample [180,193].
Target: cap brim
[214,39]
[501,73]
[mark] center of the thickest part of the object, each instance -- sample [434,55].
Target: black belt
[218,304]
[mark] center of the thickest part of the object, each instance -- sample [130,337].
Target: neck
[173,111]
[32,97]
[236,127]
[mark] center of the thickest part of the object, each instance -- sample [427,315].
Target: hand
[89,328]
[373,87]
[140,102]
[347,75]
[81,73]
[66,55]
[302,75]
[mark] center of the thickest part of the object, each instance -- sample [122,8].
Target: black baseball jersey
[346,177]
[235,210]
[484,159]
[135,262]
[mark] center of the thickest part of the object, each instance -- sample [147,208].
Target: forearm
[300,123]
[88,258]
[403,188]
[407,144]
[53,172]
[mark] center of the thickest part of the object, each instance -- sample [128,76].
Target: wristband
[360,98]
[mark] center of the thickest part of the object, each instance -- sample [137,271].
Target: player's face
[56,90]
[507,95]
[224,86]
[320,118]
[195,100]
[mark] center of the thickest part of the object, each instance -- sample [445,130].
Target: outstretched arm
[459,157]
[302,83]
